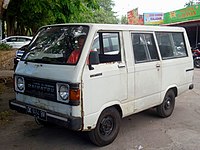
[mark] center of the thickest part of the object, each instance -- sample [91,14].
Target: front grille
[44,89]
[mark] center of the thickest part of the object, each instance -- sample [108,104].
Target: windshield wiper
[47,60]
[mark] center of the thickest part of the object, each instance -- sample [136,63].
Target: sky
[147,6]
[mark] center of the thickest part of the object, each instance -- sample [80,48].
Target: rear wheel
[197,63]
[166,108]
[107,127]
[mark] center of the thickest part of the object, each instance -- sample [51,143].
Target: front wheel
[107,127]
[166,108]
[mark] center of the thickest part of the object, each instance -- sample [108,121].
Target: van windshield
[57,45]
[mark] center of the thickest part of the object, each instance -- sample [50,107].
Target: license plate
[40,114]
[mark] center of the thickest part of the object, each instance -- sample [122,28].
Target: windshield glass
[57,45]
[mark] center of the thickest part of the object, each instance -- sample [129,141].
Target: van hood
[65,73]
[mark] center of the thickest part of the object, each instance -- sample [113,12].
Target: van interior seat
[139,52]
[166,51]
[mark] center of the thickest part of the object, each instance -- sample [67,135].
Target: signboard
[134,17]
[153,18]
[183,15]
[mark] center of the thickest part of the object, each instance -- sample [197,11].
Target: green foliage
[5,47]
[26,16]
[124,20]
[23,15]
[103,14]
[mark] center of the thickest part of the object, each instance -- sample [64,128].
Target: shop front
[189,18]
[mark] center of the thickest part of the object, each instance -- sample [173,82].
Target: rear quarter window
[171,45]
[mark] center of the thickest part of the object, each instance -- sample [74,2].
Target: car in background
[17,41]
[19,54]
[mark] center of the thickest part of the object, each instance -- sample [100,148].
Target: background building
[189,18]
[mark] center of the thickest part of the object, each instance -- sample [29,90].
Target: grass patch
[5,47]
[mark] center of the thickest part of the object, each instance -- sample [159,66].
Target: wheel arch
[116,106]
[175,89]
[91,122]
[119,109]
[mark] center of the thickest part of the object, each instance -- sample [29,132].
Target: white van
[118,70]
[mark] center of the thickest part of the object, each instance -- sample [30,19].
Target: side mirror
[93,59]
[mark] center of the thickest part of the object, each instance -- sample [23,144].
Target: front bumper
[73,123]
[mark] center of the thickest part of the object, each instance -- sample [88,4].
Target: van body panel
[180,77]
[145,89]
[108,83]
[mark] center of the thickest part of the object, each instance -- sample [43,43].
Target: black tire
[107,127]
[166,108]
[197,63]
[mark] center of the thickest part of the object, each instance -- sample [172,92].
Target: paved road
[145,130]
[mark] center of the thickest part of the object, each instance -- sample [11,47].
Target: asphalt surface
[142,131]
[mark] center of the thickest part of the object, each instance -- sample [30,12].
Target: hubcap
[168,104]
[197,63]
[106,126]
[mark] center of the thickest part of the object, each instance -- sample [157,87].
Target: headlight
[20,84]
[64,91]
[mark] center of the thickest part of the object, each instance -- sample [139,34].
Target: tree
[23,16]
[103,14]
[124,19]
[26,16]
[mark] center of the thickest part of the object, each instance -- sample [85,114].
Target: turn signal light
[74,94]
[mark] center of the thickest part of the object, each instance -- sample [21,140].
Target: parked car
[19,54]
[17,41]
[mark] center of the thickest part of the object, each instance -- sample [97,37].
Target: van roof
[125,27]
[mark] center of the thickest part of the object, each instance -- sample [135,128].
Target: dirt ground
[142,131]
[6,93]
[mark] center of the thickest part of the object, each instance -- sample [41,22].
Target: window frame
[102,52]
[146,47]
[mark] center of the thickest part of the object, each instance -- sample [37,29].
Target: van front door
[147,85]
[106,83]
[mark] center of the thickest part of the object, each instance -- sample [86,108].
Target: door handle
[121,66]
[95,75]
[157,65]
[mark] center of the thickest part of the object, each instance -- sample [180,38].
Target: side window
[179,45]
[171,45]
[21,40]
[11,40]
[144,47]
[108,47]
